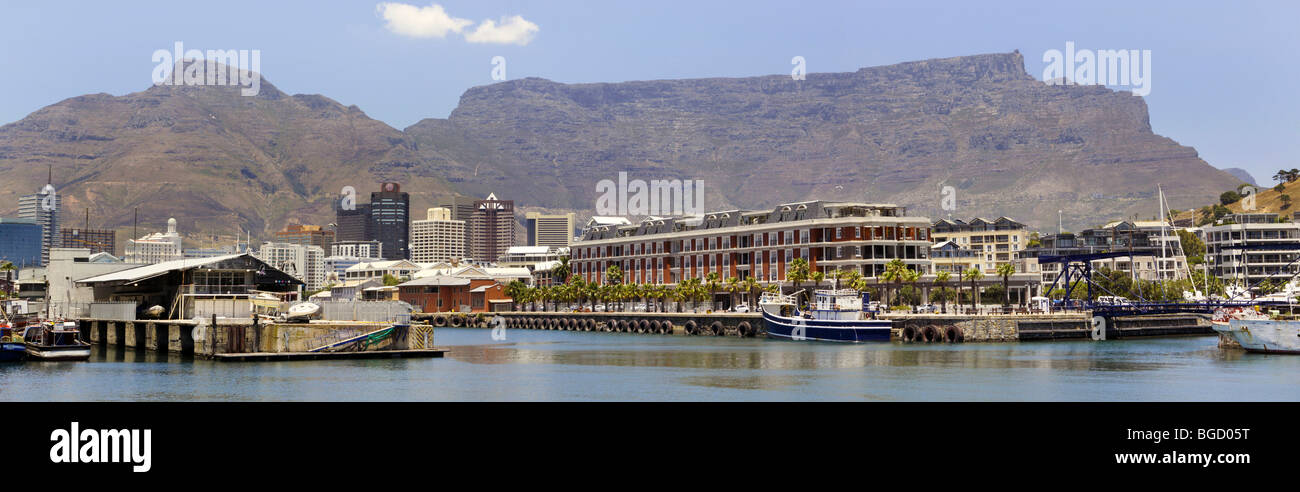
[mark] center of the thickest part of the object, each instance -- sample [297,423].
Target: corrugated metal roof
[147,271]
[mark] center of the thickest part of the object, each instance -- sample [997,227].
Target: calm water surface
[556,365]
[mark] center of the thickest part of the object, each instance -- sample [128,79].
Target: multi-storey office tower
[437,238]
[492,229]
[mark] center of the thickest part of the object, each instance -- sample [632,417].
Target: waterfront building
[399,269]
[43,208]
[157,247]
[188,288]
[528,256]
[996,242]
[307,235]
[603,221]
[460,293]
[1246,248]
[67,266]
[96,240]
[21,242]
[492,228]
[303,262]
[549,229]
[437,238]
[1155,247]
[390,220]
[950,257]
[828,235]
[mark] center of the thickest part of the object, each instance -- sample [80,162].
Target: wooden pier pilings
[235,340]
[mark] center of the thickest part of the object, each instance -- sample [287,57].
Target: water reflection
[777,355]
[598,366]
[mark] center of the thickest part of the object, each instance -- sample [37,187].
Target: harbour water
[584,366]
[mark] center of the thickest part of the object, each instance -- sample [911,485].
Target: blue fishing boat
[835,316]
[12,345]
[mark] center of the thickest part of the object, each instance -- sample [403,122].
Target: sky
[1222,73]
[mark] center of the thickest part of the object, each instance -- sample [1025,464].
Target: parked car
[743,308]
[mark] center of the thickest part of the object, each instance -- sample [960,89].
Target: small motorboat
[836,316]
[12,346]
[55,341]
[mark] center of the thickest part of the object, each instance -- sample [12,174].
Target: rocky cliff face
[216,161]
[1007,144]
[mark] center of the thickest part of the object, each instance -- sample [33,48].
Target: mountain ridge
[1007,144]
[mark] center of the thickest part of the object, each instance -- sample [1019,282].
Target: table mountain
[1007,143]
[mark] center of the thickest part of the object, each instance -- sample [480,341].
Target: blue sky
[1223,74]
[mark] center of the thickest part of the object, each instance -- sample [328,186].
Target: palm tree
[973,274]
[941,280]
[679,293]
[514,290]
[817,278]
[835,275]
[895,273]
[750,286]
[1006,270]
[614,274]
[561,272]
[733,287]
[713,284]
[796,272]
[911,277]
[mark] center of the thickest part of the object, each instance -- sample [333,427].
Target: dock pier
[245,340]
[916,328]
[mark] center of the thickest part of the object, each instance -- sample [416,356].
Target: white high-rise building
[43,208]
[303,262]
[157,247]
[437,238]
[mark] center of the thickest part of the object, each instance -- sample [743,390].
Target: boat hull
[851,331]
[12,351]
[1263,336]
[58,352]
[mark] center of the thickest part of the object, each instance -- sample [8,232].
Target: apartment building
[736,243]
[303,262]
[994,242]
[1247,248]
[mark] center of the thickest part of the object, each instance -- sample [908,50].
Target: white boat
[1255,332]
[302,311]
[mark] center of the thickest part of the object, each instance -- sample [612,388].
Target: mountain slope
[1006,142]
[217,161]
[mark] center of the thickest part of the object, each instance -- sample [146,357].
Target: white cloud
[420,22]
[512,30]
